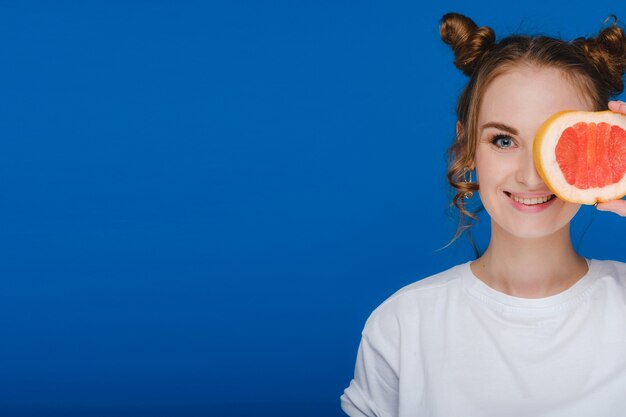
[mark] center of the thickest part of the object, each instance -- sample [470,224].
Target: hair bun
[607,53]
[469,42]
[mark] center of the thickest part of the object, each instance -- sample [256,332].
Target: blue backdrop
[203,202]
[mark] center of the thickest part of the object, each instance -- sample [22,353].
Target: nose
[527,172]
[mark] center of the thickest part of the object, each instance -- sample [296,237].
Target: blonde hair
[595,65]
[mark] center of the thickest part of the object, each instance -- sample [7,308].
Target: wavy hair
[595,65]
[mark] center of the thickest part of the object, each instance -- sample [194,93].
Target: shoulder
[612,271]
[608,289]
[409,304]
[606,267]
[608,281]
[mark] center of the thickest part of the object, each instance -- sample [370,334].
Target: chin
[532,225]
[533,230]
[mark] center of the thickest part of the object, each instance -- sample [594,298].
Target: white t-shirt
[450,345]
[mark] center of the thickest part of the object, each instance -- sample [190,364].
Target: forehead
[525,96]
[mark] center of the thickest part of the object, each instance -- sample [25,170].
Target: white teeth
[532,201]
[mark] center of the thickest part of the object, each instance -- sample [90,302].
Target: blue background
[202,203]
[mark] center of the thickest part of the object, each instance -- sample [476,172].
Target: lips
[530,199]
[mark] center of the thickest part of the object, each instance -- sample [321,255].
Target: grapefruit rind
[545,157]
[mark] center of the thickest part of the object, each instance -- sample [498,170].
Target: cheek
[487,171]
[570,209]
[495,170]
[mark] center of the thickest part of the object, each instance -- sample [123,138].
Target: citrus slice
[581,156]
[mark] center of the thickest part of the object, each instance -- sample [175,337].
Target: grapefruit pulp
[581,156]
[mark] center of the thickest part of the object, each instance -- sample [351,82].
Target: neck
[530,267]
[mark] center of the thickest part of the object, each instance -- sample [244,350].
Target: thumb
[616,206]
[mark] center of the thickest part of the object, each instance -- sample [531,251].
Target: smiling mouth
[530,201]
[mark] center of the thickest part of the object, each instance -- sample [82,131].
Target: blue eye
[502,141]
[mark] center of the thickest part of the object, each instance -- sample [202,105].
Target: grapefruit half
[581,156]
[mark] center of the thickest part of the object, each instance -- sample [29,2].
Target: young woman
[530,328]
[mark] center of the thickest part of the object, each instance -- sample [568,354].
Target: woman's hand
[617,106]
[616,206]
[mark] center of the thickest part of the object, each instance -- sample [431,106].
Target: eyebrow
[500,126]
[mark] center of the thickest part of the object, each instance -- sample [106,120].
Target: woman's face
[514,105]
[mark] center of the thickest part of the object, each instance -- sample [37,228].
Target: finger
[615,206]
[617,106]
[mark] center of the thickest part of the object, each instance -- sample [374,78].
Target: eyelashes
[502,141]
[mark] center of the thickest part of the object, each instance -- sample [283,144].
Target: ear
[459,130]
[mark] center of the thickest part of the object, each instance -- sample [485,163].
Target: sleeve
[373,392]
